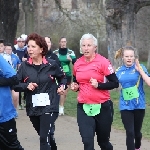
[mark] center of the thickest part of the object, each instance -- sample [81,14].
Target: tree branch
[141,4]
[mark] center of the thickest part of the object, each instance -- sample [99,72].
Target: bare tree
[28,7]
[90,18]
[9,15]
[148,39]
[93,16]
[121,23]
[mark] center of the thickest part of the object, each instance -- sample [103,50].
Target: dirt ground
[67,135]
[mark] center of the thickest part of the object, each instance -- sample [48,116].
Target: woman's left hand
[94,82]
[61,90]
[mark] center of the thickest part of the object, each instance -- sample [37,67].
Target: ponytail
[119,53]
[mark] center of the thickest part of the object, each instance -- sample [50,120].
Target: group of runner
[46,77]
[37,67]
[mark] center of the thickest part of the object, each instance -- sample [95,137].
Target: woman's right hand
[74,86]
[31,86]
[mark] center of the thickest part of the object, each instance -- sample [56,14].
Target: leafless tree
[9,15]
[121,23]
[89,19]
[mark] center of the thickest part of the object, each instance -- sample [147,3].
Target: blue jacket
[7,110]
[20,52]
[128,77]
[15,61]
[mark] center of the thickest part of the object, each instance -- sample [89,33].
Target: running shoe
[61,110]
[20,107]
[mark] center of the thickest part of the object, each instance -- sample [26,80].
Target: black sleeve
[60,76]
[111,84]
[75,80]
[57,60]
[9,81]
[22,86]
[61,80]
[55,57]
[73,61]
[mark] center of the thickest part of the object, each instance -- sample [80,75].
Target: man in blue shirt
[8,131]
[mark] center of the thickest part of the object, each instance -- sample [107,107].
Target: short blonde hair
[88,36]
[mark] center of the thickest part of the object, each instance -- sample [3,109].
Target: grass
[71,108]
[71,104]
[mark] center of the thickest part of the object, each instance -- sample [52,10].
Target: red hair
[39,40]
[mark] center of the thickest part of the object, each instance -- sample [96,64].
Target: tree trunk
[148,46]
[148,60]
[29,16]
[9,15]
[120,24]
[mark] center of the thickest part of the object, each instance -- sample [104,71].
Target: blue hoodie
[7,110]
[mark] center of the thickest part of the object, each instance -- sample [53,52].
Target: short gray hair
[88,36]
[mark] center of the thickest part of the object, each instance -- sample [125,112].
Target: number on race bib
[130,93]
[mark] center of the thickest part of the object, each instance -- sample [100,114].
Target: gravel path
[67,135]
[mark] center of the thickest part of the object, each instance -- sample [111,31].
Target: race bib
[66,68]
[130,93]
[41,99]
[92,109]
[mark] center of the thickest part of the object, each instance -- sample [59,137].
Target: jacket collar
[43,60]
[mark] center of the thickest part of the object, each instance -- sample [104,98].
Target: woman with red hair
[37,76]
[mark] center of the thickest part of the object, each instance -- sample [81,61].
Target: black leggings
[8,136]
[101,124]
[44,126]
[132,120]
